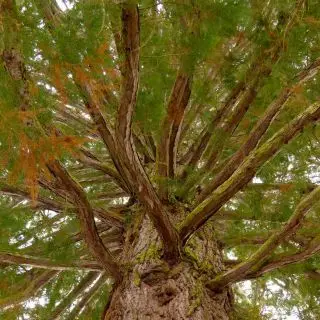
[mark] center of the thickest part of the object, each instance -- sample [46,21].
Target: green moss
[191,255]
[151,253]
[136,278]
[196,297]
[175,271]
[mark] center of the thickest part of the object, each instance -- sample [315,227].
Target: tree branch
[106,168]
[220,130]
[259,130]
[129,159]
[276,263]
[32,289]
[85,211]
[72,296]
[43,263]
[246,171]
[167,148]
[45,202]
[260,256]
[197,149]
[86,87]
[124,155]
[112,218]
[86,297]
[86,217]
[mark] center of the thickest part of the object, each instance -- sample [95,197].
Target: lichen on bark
[153,289]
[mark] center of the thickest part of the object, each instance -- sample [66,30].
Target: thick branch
[43,263]
[246,171]
[131,43]
[258,258]
[276,263]
[112,218]
[231,46]
[85,212]
[126,163]
[234,109]
[130,162]
[86,88]
[167,149]
[259,130]
[219,132]
[86,217]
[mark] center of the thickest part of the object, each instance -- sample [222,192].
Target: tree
[157,154]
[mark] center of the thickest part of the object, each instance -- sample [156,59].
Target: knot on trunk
[166,292]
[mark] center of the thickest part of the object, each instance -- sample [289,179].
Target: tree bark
[151,289]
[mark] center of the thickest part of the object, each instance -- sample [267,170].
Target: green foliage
[215,41]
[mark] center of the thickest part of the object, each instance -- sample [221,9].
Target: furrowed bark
[258,258]
[42,263]
[32,289]
[129,159]
[153,290]
[86,217]
[124,155]
[142,149]
[259,130]
[131,43]
[103,129]
[167,149]
[246,171]
[72,296]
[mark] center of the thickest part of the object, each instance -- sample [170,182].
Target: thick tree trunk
[151,289]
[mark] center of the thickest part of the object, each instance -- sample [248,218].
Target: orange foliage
[58,79]
[34,155]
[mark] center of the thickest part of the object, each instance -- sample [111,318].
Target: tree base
[181,295]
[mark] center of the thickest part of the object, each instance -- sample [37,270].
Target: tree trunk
[152,289]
